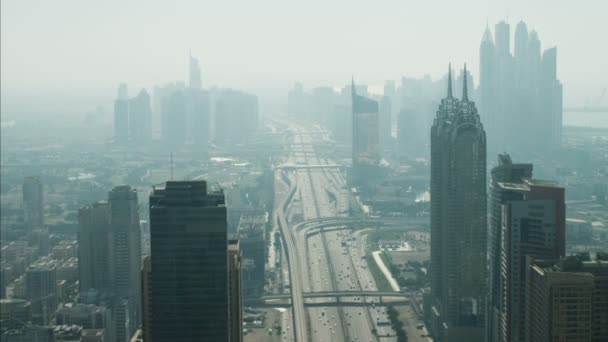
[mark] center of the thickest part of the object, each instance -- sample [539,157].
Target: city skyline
[303,172]
[585,81]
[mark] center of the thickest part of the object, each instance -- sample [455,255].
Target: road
[329,261]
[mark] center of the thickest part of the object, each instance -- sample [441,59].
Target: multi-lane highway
[329,261]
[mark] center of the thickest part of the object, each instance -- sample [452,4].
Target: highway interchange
[329,261]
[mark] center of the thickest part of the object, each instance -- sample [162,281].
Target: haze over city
[65,49]
[314,171]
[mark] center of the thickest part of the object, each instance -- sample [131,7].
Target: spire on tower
[352,89]
[450,81]
[465,95]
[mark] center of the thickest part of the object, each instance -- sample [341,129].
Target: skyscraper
[140,118]
[121,115]
[189,253]
[146,291]
[33,203]
[195,74]
[385,122]
[366,141]
[174,114]
[458,219]
[199,118]
[521,97]
[235,291]
[41,289]
[110,256]
[125,252]
[505,172]
[567,300]
[236,117]
[551,95]
[533,225]
[93,265]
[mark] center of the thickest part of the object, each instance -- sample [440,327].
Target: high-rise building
[123,92]
[41,290]
[121,115]
[458,219]
[189,254]
[195,74]
[125,253]
[567,300]
[93,263]
[298,102]
[146,292]
[366,141]
[236,117]
[199,118]
[385,122]
[533,225]
[551,95]
[503,38]
[140,118]
[521,97]
[174,114]
[110,256]
[505,172]
[33,203]
[235,291]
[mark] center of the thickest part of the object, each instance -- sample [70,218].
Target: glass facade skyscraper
[189,253]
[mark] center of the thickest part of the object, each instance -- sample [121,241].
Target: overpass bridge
[291,167]
[334,298]
[340,294]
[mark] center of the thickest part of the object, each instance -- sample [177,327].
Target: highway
[331,260]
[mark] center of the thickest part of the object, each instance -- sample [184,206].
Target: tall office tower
[488,85]
[236,117]
[533,226]
[41,291]
[93,263]
[110,256]
[33,203]
[567,300]
[520,93]
[297,102]
[174,113]
[458,219]
[189,250]
[125,254]
[121,121]
[505,172]
[140,118]
[322,104]
[502,32]
[199,117]
[123,93]
[551,95]
[146,291]
[385,122]
[366,141]
[521,41]
[235,291]
[195,74]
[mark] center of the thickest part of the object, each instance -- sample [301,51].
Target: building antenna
[171,165]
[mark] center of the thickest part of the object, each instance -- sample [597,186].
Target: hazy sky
[267,44]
